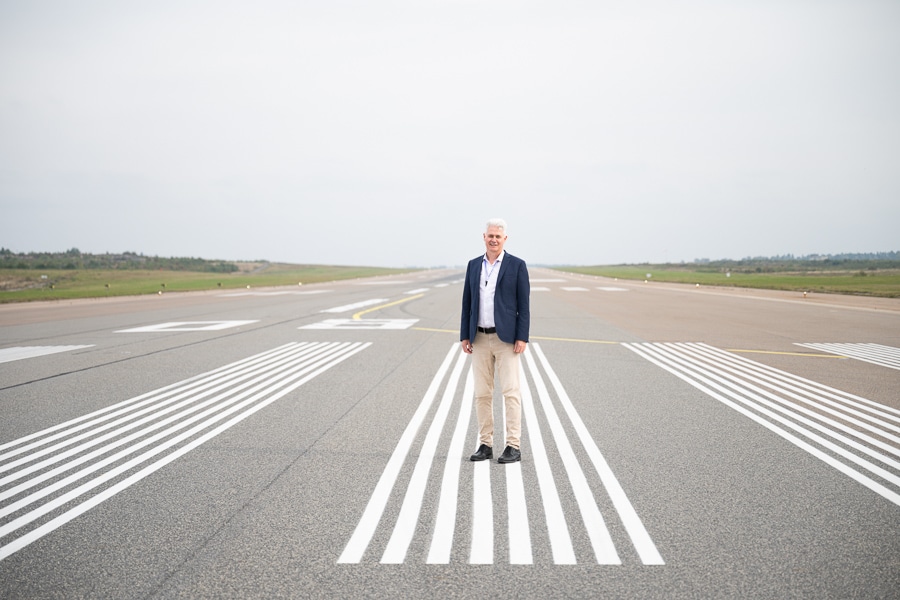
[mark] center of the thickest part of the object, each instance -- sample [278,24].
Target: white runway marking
[55,474]
[416,291]
[575,289]
[472,485]
[187,326]
[877,354]
[349,307]
[278,293]
[362,324]
[22,352]
[856,436]
[612,289]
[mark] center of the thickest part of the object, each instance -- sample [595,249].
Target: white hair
[498,223]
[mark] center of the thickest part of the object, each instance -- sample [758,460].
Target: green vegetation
[869,277]
[133,275]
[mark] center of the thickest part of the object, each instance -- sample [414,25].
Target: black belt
[487,329]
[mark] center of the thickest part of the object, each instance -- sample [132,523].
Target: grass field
[21,285]
[883,282]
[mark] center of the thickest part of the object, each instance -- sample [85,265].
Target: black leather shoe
[484,452]
[510,455]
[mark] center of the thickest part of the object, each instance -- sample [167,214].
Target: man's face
[494,238]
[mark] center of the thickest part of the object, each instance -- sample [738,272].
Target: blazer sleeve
[466,319]
[523,298]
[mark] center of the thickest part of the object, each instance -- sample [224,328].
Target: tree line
[74,259]
[869,261]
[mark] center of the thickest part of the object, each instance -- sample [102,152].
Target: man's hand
[520,347]
[466,346]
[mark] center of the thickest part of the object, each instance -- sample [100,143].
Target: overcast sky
[385,133]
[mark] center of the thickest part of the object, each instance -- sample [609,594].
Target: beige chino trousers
[490,354]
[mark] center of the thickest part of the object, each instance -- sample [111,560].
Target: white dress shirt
[487,286]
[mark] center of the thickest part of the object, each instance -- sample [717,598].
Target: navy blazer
[512,314]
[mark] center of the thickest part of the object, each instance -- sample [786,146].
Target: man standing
[494,330]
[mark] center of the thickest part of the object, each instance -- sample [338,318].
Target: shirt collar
[499,258]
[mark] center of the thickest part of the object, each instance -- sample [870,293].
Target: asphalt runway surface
[313,442]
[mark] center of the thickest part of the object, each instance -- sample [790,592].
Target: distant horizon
[773,258]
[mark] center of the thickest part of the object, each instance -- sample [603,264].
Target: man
[494,330]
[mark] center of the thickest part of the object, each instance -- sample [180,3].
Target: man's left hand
[519,347]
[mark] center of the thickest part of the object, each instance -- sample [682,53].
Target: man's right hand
[466,346]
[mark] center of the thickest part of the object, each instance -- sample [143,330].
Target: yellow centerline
[580,341]
[359,315]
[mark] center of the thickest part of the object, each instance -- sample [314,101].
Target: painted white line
[349,307]
[364,531]
[547,280]
[362,324]
[267,377]
[540,289]
[645,547]
[416,291]
[281,293]
[560,541]
[519,532]
[118,408]
[187,326]
[446,492]
[445,522]
[482,551]
[127,423]
[877,354]
[601,541]
[397,546]
[264,395]
[705,382]
[575,289]
[22,352]
[612,289]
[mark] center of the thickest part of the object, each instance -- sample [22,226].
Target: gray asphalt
[732,502]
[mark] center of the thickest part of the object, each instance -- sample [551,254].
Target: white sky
[386,133]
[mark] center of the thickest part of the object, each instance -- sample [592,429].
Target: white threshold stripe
[354,306]
[483,537]
[445,522]
[405,528]
[823,390]
[709,378]
[482,550]
[885,356]
[560,541]
[148,415]
[268,386]
[23,352]
[703,384]
[519,532]
[114,410]
[601,541]
[264,382]
[643,544]
[374,510]
[785,407]
[769,376]
[79,509]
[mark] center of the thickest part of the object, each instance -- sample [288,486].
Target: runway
[313,441]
